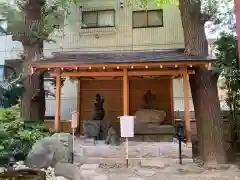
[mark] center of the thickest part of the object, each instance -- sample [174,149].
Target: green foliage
[52,18]
[227,65]
[17,136]
[10,91]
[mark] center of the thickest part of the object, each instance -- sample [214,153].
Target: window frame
[97,12]
[148,26]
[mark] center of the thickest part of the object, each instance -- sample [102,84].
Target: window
[97,19]
[151,18]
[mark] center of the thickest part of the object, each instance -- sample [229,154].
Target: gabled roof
[121,57]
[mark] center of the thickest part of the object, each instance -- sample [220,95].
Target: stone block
[156,129]
[152,163]
[100,177]
[47,152]
[90,166]
[87,173]
[145,172]
[103,129]
[136,178]
[137,138]
[68,171]
[91,128]
[88,141]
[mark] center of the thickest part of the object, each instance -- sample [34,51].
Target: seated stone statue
[149,100]
[147,115]
[98,110]
[112,137]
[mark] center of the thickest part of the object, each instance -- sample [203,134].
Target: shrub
[17,136]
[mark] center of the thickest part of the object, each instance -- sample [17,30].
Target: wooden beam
[93,74]
[57,103]
[157,73]
[79,104]
[120,66]
[118,74]
[125,92]
[187,108]
[172,100]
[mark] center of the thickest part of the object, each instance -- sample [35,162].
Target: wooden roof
[119,57]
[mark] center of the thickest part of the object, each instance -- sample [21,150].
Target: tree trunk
[203,86]
[33,98]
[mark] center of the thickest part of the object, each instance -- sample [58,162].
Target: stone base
[152,138]
[153,129]
[95,128]
[153,133]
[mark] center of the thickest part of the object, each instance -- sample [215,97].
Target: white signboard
[127,126]
[74,119]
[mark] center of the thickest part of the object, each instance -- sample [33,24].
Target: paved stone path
[106,173]
[148,161]
[86,152]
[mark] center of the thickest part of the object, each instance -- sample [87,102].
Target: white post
[73,129]
[126,151]
[74,126]
[127,130]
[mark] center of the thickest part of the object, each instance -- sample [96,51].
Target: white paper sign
[127,126]
[74,119]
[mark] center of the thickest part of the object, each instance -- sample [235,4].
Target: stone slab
[100,177]
[87,173]
[155,129]
[68,171]
[90,166]
[152,163]
[136,178]
[145,172]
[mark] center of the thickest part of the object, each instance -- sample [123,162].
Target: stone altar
[148,127]
[147,124]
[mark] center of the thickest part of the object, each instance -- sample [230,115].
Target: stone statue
[112,137]
[96,128]
[98,110]
[149,99]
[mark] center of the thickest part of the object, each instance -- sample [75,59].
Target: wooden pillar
[125,92]
[172,101]
[79,104]
[186,108]
[57,103]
